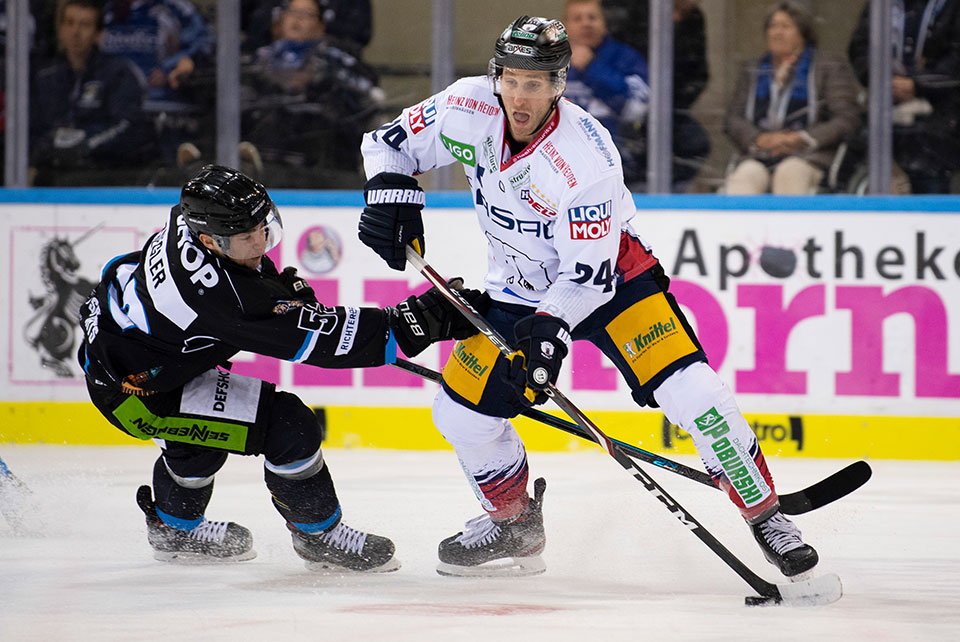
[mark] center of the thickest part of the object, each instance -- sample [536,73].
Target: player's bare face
[527,99]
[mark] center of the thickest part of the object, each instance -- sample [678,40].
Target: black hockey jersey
[161,316]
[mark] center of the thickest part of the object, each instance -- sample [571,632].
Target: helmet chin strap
[543,121]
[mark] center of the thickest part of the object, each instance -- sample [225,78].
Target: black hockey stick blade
[827,490]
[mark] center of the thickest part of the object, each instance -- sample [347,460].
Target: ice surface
[618,565]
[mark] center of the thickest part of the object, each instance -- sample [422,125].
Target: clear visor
[526,84]
[256,242]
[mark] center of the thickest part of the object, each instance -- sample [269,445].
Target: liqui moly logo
[590,221]
[422,115]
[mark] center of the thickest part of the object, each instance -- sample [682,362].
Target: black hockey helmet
[221,201]
[537,44]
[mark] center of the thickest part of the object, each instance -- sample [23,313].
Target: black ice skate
[780,540]
[208,543]
[489,548]
[344,549]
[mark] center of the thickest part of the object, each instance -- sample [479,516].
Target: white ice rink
[618,565]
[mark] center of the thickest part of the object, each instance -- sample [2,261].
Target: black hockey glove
[296,284]
[544,340]
[419,321]
[391,220]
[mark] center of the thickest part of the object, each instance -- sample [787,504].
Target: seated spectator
[307,103]
[608,79]
[791,109]
[629,22]
[170,42]
[350,22]
[925,86]
[86,108]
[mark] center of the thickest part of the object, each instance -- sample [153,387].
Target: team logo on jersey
[464,153]
[589,222]
[422,115]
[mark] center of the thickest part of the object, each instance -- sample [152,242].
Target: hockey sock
[701,404]
[310,504]
[491,454]
[179,505]
[505,491]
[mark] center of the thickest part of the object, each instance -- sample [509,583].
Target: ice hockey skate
[207,543]
[486,548]
[779,538]
[343,549]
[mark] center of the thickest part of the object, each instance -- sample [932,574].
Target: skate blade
[199,559]
[506,567]
[326,568]
[816,591]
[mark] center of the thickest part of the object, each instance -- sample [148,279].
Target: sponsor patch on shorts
[222,395]
[468,368]
[650,337]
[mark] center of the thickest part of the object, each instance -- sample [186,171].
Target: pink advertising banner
[800,312]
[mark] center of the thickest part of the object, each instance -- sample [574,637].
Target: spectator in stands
[166,39]
[350,22]
[307,103]
[86,107]
[608,79]
[171,43]
[791,109]
[629,22]
[925,85]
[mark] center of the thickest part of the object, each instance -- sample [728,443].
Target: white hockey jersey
[556,216]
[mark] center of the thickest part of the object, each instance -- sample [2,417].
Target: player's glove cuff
[545,341]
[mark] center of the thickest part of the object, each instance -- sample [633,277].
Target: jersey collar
[532,145]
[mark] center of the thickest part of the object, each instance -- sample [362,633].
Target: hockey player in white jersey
[564,262]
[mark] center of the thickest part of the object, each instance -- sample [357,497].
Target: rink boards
[837,327]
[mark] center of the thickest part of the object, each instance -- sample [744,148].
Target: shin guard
[701,404]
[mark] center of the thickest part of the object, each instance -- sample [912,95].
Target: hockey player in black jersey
[159,330]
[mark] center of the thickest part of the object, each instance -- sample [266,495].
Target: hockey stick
[13,494]
[6,476]
[820,590]
[827,490]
